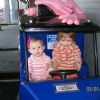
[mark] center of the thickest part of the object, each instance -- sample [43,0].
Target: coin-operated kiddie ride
[46,28]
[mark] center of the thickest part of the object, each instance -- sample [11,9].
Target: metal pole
[26,57]
[95,54]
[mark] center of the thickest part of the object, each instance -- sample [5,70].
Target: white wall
[14,11]
[91,8]
[7,11]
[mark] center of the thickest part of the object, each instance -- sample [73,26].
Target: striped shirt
[67,57]
[37,68]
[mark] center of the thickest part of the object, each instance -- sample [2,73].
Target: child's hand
[49,64]
[54,64]
[50,78]
[30,77]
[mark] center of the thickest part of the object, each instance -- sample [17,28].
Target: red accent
[72,76]
[20,10]
[67,76]
[28,42]
[56,77]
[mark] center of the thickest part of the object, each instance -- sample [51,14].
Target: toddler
[66,54]
[39,64]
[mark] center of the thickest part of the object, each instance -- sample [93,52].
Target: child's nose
[68,39]
[37,49]
[63,39]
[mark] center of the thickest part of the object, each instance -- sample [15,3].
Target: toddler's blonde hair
[62,35]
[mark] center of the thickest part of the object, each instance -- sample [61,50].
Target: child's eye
[62,40]
[33,48]
[39,47]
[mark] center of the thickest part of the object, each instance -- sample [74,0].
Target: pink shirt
[66,57]
[37,68]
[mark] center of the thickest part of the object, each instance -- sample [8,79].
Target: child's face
[36,49]
[66,40]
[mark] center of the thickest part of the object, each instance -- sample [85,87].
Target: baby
[66,54]
[39,64]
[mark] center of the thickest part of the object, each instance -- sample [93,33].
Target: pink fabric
[67,10]
[38,69]
[55,5]
[70,19]
[77,10]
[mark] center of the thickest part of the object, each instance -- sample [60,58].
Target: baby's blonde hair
[34,39]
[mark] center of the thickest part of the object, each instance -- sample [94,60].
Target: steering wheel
[62,73]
